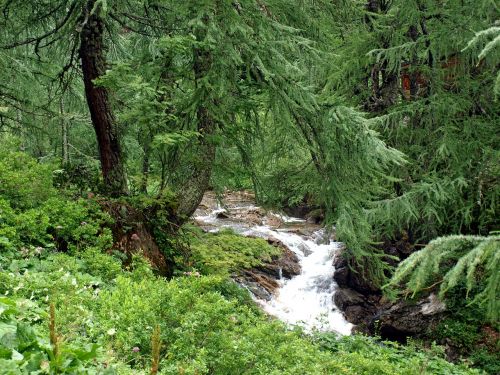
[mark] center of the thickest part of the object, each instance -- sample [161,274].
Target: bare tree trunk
[93,60]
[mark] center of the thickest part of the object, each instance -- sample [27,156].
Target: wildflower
[135,349]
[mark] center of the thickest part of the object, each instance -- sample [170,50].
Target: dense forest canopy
[379,118]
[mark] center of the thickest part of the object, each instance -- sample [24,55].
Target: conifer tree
[429,93]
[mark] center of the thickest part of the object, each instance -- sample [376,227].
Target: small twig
[433,285]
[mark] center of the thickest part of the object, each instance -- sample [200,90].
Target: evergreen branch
[38,39]
[454,259]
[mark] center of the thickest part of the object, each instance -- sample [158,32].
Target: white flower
[111,331]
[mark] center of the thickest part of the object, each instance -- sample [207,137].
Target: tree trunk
[64,131]
[192,192]
[93,60]
[145,166]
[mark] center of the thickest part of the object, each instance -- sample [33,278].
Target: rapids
[306,299]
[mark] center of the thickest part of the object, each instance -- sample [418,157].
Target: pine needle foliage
[451,261]
[428,91]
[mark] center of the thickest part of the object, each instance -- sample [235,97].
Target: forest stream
[305,299]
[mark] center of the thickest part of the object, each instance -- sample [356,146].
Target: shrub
[76,225]
[452,261]
[23,181]
[369,355]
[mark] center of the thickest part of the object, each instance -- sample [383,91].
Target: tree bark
[92,55]
[64,131]
[192,192]
[145,165]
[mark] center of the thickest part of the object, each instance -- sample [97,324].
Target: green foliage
[78,223]
[229,171]
[24,351]
[81,175]
[452,260]
[207,325]
[373,356]
[55,223]
[201,330]
[204,332]
[225,252]
[424,90]
[486,360]
[23,181]
[489,43]
[282,88]
[470,338]
[32,218]
[463,335]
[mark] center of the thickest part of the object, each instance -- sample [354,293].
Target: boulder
[273,221]
[349,278]
[315,216]
[404,319]
[287,261]
[341,276]
[356,314]
[345,297]
[289,264]
[357,308]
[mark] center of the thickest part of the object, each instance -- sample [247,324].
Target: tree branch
[38,39]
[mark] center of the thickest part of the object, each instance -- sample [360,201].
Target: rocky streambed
[298,286]
[310,284]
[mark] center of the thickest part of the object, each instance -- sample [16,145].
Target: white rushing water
[306,299]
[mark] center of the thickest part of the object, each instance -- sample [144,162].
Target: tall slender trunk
[64,135]
[201,167]
[145,165]
[92,55]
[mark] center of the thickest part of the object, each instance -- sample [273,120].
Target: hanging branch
[38,39]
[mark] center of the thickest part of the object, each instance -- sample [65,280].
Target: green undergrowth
[374,356]
[225,252]
[205,328]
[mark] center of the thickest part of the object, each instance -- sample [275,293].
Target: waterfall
[306,299]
